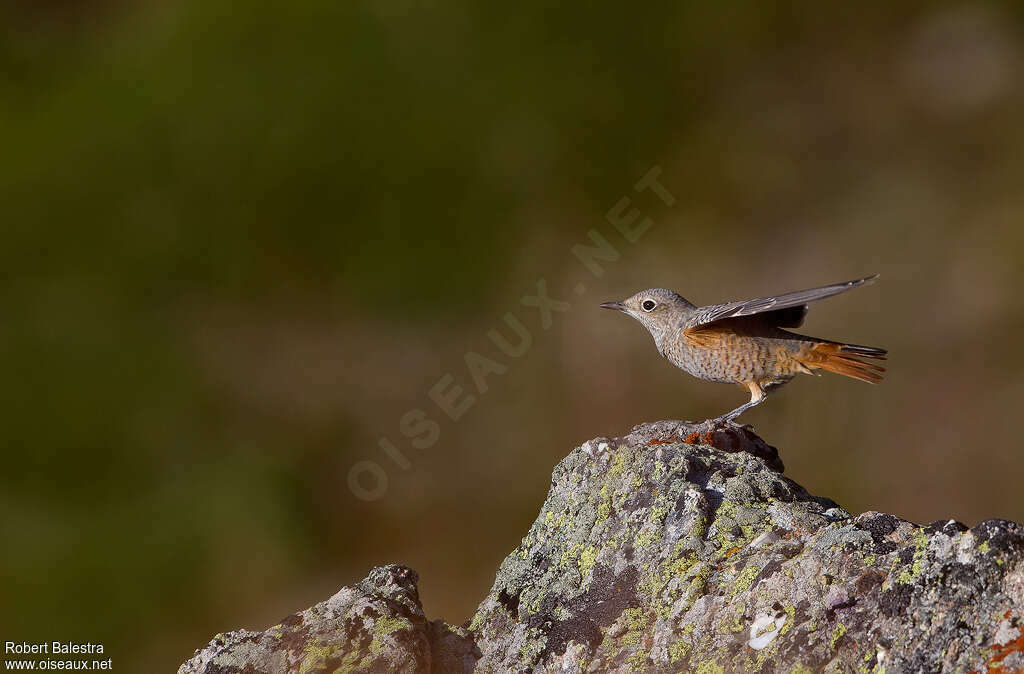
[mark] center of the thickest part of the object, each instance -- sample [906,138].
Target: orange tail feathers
[843,359]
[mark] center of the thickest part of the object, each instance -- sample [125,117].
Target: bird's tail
[844,359]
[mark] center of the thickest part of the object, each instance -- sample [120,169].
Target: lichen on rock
[375,626]
[682,547]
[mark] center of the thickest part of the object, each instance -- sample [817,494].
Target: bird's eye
[648,305]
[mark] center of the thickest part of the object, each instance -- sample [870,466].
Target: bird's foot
[729,421]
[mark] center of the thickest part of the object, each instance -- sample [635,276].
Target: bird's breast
[723,357]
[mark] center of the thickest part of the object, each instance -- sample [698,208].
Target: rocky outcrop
[683,547]
[375,626]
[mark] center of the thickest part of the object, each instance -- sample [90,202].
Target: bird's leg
[757,396]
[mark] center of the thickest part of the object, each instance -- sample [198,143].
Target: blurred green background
[241,241]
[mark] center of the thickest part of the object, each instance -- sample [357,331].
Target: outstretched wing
[718,312]
[792,317]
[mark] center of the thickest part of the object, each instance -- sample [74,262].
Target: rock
[375,626]
[683,547]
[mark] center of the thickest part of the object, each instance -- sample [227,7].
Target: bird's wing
[718,312]
[791,317]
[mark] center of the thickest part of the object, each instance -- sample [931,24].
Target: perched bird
[745,342]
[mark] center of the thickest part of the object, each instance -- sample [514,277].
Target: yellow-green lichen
[604,508]
[743,580]
[569,554]
[677,650]
[635,621]
[722,534]
[533,647]
[531,598]
[736,624]
[907,576]
[638,661]
[698,585]
[384,626]
[837,634]
[681,565]
[618,465]
[350,663]
[645,537]
[727,509]
[699,527]
[316,655]
[790,620]
[586,562]
[709,667]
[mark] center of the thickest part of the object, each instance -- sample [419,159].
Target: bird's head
[660,311]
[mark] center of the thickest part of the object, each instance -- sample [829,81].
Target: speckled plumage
[745,342]
[736,357]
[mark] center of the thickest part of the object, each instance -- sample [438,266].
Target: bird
[746,342]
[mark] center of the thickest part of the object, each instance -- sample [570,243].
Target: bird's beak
[618,306]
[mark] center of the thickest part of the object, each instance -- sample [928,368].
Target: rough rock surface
[375,626]
[677,548]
